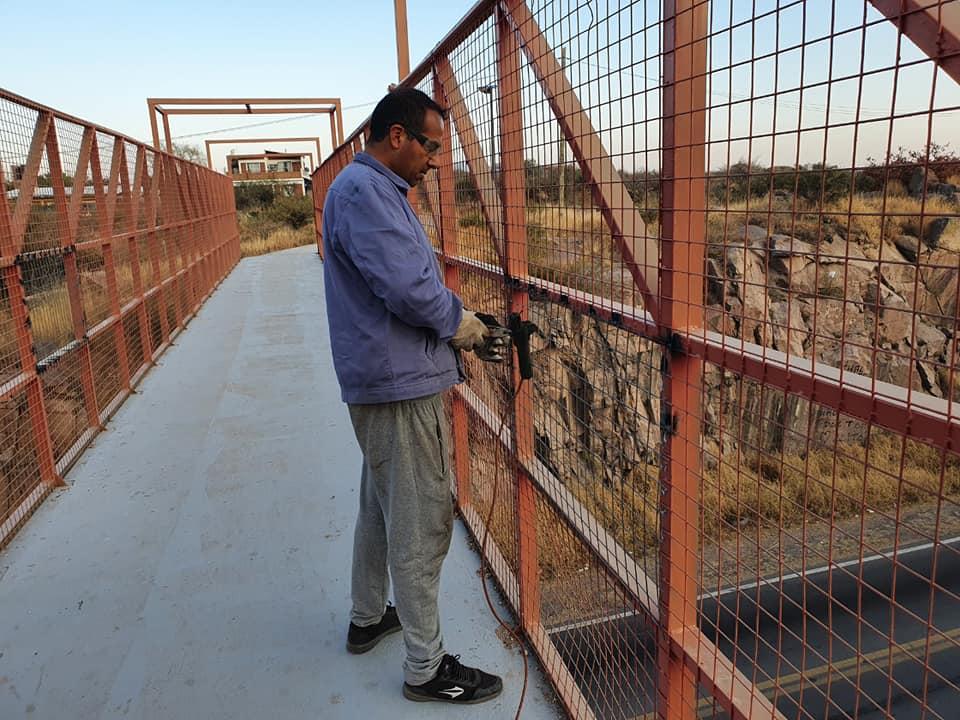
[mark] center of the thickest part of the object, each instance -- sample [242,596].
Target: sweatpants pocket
[441,440]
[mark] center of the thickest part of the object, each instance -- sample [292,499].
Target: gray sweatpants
[405,522]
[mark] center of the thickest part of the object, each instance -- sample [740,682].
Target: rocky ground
[846,299]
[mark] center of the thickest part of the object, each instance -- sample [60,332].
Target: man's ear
[396,136]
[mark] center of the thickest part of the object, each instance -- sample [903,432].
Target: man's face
[415,158]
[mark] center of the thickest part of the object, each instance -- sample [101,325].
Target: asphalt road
[805,632]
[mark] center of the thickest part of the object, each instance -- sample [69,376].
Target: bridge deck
[197,566]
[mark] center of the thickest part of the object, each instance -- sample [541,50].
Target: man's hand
[471,332]
[496,347]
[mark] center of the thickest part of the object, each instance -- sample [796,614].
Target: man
[396,332]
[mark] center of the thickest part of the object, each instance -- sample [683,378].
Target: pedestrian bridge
[197,564]
[731,488]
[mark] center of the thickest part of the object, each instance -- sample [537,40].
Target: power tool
[496,345]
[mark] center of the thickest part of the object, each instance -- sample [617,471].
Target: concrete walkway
[197,566]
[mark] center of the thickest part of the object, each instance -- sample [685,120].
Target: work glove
[496,347]
[471,332]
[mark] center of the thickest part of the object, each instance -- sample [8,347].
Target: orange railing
[732,487]
[107,248]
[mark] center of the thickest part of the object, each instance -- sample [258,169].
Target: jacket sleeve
[374,233]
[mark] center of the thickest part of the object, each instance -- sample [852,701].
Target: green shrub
[251,197]
[295,212]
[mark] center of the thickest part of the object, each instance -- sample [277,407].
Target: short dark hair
[403,106]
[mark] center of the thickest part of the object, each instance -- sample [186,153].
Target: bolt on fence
[731,489]
[107,249]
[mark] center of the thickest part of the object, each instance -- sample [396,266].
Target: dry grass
[567,220]
[282,238]
[50,318]
[842,483]
[574,247]
[781,491]
[879,218]
[869,219]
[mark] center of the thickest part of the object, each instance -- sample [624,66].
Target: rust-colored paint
[476,161]
[403,44]
[30,382]
[934,27]
[514,233]
[451,274]
[275,106]
[72,276]
[639,251]
[682,248]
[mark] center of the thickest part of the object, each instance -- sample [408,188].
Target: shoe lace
[458,672]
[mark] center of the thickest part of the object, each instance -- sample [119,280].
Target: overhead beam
[278,106]
[934,29]
[244,101]
[245,111]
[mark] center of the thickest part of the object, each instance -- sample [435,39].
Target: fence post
[72,276]
[174,241]
[10,247]
[515,248]
[451,277]
[682,256]
[151,207]
[133,250]
[107,223]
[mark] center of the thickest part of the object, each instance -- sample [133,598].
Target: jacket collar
[366,159]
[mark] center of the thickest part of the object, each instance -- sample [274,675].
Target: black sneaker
[456,683]
[362,639]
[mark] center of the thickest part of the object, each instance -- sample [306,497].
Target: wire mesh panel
[734,474]
[82,226]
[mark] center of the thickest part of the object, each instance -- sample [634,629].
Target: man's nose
[433,161]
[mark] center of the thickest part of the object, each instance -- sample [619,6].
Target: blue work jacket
[390,315]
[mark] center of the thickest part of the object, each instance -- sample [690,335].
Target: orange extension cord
[514,633]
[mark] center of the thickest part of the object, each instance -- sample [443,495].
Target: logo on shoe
[453,693]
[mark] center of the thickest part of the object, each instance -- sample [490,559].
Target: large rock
[943,233]
[908,246]
[931,342]
[927,377]
[789,330]
[747,275]
[839,249]
[920,180]
[938,273]
[828,279]
[784,246]
[715,283]
[725,321]
[896,321]
[835,263]
[597,410]
[750,235]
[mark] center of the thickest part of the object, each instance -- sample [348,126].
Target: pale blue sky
[101,60]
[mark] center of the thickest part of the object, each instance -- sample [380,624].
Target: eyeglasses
[431,146]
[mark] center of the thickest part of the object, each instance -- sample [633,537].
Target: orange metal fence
[731,489]
[107,249]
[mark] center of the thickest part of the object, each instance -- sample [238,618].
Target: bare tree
[190,152]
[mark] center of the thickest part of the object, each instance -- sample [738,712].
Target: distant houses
[288,173]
